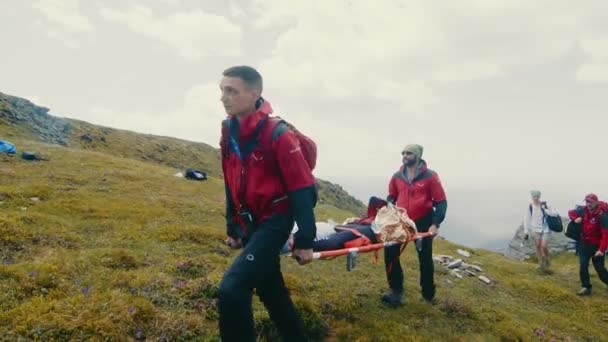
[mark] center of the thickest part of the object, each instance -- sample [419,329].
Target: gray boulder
[520,249]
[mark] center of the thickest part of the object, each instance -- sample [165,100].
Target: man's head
[241,88]
[591,201]
[412,154]
[535,196]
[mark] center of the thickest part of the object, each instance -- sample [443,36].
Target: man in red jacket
[594,240]
[418,190]
[269,184]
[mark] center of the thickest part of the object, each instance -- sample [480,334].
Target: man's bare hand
[234,243]
[578,220]
[303,256]
[434,230]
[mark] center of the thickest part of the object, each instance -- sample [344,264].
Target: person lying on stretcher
[355,232]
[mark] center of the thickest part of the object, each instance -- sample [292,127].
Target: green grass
[118,248]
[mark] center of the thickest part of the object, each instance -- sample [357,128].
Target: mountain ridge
[21,117]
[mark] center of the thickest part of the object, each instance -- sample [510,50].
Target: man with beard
[417,189]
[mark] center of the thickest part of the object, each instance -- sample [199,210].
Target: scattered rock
[485,279]
[445,257]
[35,199]
[455,264]
[470,273]
[457,274]
[464,253]
[459,269]
[179,174]
[476,268]
[23,208]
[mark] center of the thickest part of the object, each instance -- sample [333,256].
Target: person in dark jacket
[269,185]
[418,190]
[594,240]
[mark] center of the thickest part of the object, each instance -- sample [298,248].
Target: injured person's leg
[346,236]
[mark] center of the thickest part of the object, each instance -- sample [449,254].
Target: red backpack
[308,146]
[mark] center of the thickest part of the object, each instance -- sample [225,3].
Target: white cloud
[595,47]
[66,14]
[193,35]
[345,48]
[593,72]
[198,117]
[65,21]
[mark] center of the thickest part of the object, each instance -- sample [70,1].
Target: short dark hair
[249,75]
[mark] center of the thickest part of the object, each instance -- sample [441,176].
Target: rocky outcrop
[34,120]
[521,249]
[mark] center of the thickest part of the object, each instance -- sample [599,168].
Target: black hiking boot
[585,291]
[351,261]
[428,301]
[393,299]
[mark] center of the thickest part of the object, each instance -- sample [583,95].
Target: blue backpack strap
[243,150]
[279,129]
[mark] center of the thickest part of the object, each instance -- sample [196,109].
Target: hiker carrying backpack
[253,167]
[553,219]
[267,166]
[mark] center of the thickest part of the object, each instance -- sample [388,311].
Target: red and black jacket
[594,229]
[266,174]
[420,196]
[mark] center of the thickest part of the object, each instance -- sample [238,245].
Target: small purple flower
[539,332]
[6,262]
[86,291]
[32,274]
[139,334]
[178,284]
[131,310]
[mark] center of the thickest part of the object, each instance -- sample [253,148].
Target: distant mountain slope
[21,118]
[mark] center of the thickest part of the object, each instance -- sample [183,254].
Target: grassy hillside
[98,246]
[19,118]
[114,248]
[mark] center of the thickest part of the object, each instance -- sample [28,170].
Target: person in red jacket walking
[269,185]
[417,189]
[594,240]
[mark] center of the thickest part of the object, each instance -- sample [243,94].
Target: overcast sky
[504,95]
